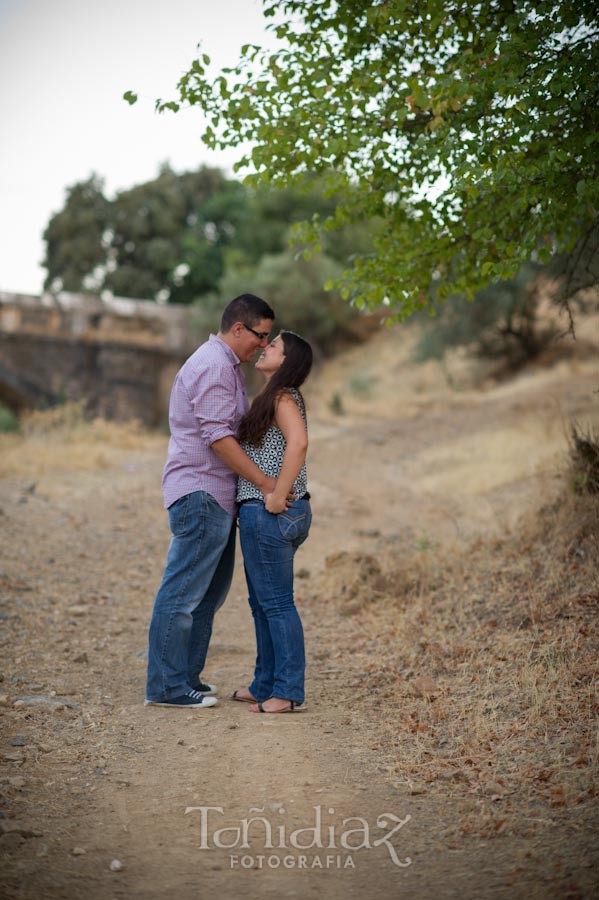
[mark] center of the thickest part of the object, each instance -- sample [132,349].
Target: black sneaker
[190,700]
[209,690]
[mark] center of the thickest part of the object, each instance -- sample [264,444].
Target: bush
[501,323]
[294,288]
[8,420]
[584,455]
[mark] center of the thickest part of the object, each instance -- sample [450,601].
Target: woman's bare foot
[243,695]
[273,705]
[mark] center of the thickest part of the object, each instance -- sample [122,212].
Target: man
[208,401]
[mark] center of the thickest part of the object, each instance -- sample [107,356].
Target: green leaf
[456,131]
[131,97]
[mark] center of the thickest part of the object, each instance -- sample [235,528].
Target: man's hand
[275,504]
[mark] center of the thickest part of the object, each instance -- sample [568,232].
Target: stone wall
[119,356]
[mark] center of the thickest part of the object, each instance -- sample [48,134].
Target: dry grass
[65,439]
[485,664]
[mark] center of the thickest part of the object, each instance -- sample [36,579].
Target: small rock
[350,609]
[116,865]
[453,775]
[5,700]
[18,740]
[78,851]
[12,826]
[417,788]
[423,686]
[15,757]
[142,654]
[17,781]
[368,532]
[78,610]
[45,700]
[303,573]
[11,841]
[494,790]
[82,658]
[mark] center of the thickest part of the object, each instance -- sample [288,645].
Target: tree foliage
[163,239]
[503,323]
[199,237]
[74,235]
[471,129]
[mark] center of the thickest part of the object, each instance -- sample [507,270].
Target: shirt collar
[228,350]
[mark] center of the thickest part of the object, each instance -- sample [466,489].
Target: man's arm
[214,405]
[228,449]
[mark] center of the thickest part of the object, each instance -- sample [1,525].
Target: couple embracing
[228,460]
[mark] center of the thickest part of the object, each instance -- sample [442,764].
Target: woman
[274,435]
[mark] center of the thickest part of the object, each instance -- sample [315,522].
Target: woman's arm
[289,419]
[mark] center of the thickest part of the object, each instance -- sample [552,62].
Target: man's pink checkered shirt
[208,401]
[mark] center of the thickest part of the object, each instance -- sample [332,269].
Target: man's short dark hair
[246,308]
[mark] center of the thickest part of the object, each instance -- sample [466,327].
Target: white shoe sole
[207,702]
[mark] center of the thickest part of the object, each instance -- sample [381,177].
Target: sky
[64,66]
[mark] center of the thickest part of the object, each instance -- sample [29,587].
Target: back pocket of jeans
[292,523]
[177,516]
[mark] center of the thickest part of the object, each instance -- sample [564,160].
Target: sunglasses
[261,335]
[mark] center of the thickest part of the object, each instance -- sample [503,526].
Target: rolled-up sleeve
[212,395]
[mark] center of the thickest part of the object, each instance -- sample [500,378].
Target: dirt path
[104,779]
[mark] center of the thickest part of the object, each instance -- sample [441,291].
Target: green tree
[172,238]
[74,247]
[163,239]
[470,129]
[168,235]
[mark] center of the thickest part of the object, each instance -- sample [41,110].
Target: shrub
[584,455]
[8,420]
[501,323]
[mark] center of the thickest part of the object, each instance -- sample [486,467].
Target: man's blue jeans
[197,577]
[269,543]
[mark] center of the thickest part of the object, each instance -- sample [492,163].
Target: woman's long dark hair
[292,373]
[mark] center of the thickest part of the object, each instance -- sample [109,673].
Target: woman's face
[271,358]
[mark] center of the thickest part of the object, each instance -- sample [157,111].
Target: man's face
[250,339]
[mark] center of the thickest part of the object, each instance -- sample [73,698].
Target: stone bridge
[119,356]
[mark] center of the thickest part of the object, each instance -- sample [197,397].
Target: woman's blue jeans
[197,577]
[269,543]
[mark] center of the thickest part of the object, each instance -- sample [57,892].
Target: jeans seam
[174,610]
[263,556]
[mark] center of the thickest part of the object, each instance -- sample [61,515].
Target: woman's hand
[275,504]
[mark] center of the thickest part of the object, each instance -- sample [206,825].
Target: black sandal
[290,708]
[242,699]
